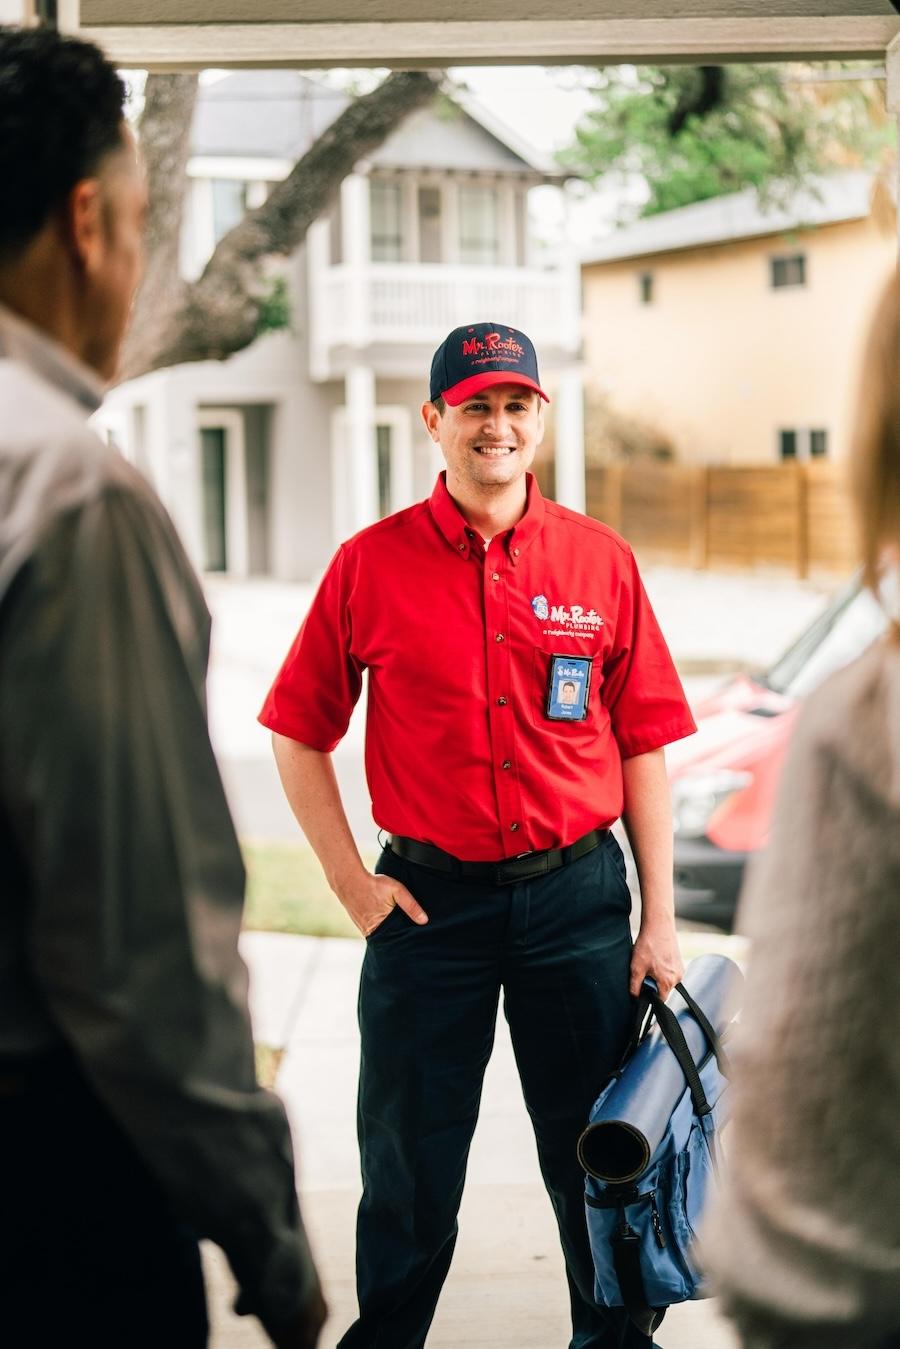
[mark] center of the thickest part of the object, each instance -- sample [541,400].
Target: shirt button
[515,552]
[513,827]
[501,702]
[507,763]
[495,576]
[499,637]
[462,547]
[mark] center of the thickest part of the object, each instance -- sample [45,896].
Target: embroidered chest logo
[573,619]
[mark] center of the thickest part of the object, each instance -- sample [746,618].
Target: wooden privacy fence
[795,517]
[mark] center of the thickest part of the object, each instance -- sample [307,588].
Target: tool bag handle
[649,1006]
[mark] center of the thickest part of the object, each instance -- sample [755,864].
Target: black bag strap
[708,1029]
[650,1000]
[626,1247]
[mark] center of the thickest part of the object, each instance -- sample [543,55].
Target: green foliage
[692,133]
[275,308]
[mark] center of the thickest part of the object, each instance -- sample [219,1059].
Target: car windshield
[850,623]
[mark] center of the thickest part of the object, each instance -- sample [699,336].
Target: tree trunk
[165,134]
[219,314]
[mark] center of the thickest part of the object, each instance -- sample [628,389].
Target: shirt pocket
[582,729]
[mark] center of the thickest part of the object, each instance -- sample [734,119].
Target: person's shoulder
[54,466]
[595,532]
[869,682]
[43,431]
[402,523]
[853,718]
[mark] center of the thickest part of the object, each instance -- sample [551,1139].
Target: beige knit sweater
[805,1240]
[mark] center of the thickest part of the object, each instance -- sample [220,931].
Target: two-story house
[268,459]
[736,331]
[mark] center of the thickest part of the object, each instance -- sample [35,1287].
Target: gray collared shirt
[122,878]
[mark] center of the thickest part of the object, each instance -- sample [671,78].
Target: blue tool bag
[649,1149]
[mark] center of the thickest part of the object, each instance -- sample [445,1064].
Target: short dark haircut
[440,404]
[61,112]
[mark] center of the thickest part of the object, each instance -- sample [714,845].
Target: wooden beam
[488,42]
[156,12]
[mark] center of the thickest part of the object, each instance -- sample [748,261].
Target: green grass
[287,892]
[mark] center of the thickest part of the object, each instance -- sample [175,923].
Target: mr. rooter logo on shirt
[569,618]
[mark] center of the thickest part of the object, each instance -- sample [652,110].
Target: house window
[818,444]
[645,287]
[429,199]
[521,209]
[387,221]
[788,270]
[212,450]
[787,444]
[335,232]
[802,443]
[479,225]
[229,196]
[383,451]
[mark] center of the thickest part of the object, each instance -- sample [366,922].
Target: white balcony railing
[397,304]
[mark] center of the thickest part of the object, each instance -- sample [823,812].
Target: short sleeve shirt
[459,642]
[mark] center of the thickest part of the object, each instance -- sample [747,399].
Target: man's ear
[432,419]
[83,222]
[542,425]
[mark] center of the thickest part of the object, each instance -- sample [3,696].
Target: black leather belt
[527,866]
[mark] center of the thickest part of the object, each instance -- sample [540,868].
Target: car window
[849,625]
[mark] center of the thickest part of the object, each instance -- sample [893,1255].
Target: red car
[724,779]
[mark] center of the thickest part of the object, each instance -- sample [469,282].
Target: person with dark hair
[131,1122]
[804,1242]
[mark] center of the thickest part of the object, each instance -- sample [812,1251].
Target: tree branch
[219,314]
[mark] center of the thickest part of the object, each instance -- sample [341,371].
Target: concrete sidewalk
[506,1286]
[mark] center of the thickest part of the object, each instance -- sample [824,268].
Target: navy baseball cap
[479,355]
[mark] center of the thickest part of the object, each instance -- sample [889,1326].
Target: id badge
[568,686]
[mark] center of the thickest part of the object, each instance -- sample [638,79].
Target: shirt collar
[461,537]
[21,341]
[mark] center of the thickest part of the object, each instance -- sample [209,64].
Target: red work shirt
[458,640]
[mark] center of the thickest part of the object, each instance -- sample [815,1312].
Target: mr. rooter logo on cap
[481,354]
[494,344]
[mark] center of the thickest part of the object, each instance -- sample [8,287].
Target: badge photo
[568,686]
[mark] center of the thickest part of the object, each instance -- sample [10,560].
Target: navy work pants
[559,947]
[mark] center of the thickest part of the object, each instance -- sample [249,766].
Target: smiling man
[500,871]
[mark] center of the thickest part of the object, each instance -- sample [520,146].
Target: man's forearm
[309,782]
[648,819]
[310,785]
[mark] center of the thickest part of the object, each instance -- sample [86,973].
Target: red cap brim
[475,383]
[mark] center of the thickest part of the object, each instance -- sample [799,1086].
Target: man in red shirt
[471,611]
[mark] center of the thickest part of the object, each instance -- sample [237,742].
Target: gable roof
[829,200]
[279,114]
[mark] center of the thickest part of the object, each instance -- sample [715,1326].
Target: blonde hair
[875,464]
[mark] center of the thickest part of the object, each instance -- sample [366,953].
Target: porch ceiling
[185,34]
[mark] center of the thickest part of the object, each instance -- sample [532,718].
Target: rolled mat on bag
[629,1121]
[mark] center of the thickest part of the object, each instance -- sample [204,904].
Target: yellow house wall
[719,360]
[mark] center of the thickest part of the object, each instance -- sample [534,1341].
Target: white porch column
[318,261]
[356,247]
[16,11]
[361,484]
[569,424]
[892,62]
